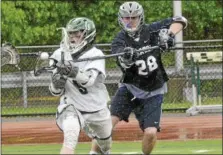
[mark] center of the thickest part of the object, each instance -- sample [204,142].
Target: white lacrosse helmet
[131,9]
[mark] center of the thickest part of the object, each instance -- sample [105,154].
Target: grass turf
[162,147]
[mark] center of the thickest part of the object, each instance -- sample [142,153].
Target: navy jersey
[147,73]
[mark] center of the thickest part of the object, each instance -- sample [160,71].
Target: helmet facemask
[131,17]
[76,40]
[79,32]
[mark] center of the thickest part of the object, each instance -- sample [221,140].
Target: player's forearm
[175,28]
[178,23]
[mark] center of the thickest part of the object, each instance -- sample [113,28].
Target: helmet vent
[130,4]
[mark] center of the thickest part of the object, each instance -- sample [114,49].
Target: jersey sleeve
[99,64]
[118,43]
[163,24]
[56,55]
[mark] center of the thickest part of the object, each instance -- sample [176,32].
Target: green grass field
[162,147]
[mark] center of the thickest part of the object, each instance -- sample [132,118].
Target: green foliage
[207,14]
[35,22]
[211,86]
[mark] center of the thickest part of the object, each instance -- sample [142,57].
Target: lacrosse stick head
[65,44]
[9,55]
[44,64]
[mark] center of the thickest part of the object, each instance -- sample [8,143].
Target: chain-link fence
[22,93]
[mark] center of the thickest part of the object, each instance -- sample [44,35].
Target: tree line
[36,22]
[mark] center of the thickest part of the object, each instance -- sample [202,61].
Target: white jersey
[97,95]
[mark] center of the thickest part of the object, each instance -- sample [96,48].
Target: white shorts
[95,125]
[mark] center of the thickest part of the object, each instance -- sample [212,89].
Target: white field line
[125,152]
[201,151]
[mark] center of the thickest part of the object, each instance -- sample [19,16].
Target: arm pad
[86,78]
[180,19]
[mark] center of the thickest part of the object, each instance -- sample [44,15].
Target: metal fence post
[194,91]
[24,90]
[179,66]
[198,84]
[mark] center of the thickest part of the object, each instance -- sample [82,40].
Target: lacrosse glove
[129,57]
[67,69]
[166,39]
[58,81]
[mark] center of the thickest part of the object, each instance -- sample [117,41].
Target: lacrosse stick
[46,64]
[43,64]
[138,52]
[9,55]
[65,45]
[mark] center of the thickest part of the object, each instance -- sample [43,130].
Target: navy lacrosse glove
[166,39]
[58,81]
[128,58]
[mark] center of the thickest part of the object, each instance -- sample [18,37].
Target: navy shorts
[147,111]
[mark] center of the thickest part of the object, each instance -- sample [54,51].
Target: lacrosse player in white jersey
[83,95]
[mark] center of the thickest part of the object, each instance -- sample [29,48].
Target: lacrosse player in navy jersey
[144,79]
[83,95]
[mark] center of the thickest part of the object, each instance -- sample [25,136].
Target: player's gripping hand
[58,81]
[128,58]
[166,39]
[63,68]
[67,69]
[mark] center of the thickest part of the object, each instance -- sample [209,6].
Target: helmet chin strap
[78,47]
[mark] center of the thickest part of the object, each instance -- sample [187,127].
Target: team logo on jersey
[143,52]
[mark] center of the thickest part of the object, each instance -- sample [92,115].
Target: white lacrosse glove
[166,39]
